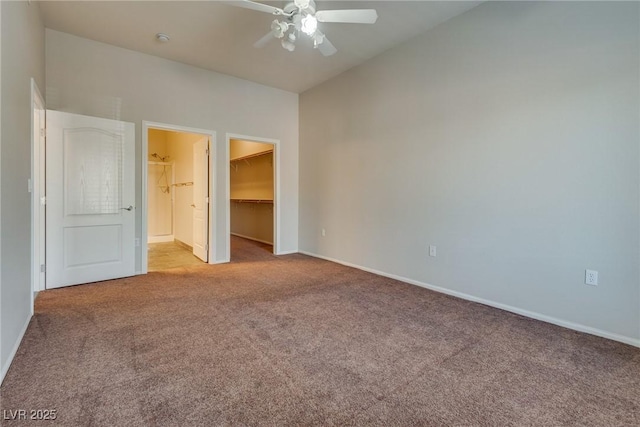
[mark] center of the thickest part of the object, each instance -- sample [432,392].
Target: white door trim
[37,192]
[146,125]
[276,188]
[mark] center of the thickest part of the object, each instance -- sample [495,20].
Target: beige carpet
[295,340]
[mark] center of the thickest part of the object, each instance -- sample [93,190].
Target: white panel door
[90,218]
[200,198]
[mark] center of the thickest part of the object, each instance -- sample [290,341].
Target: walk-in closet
[252,190]
[177,192]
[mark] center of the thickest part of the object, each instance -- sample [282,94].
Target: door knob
[192,205]
[130,208]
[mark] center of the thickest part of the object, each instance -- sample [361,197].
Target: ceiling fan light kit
[300,16]
[288,45]
[309,25]
[279,29]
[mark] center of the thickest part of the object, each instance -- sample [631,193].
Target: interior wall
[157,143]
[23,57]
[253,178]
[508,138]
[2,357]
[97,79]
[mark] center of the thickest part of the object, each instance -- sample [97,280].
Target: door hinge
[42,133]
[43,200]
[207,151]
[206,248]
[43,268]
[206,200]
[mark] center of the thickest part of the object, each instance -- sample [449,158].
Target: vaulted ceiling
[218,36]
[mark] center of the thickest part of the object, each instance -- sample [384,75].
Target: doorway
[251,196]
[177,177]
[87,231]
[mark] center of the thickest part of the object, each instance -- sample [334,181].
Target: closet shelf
[252,200]
[249,156]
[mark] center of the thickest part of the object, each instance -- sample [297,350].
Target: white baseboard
[160,239]
[566,324]
[286,252]
[251,238]
[14,350]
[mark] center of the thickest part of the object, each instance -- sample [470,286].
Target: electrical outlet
[324,232]
[591,277]
[432,250]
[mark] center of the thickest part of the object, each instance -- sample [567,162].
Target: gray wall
[22,51]
[508,137]
[97,79]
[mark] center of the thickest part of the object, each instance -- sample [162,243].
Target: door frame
[146,125]
[38,191]
[276,188]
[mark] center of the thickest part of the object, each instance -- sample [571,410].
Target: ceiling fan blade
[247,4]
[352,16]
[264,40]
[326,47]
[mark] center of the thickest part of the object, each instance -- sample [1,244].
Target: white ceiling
[219,37]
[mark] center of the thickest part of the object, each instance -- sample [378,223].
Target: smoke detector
[163,38]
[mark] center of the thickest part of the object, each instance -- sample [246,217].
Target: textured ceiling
[219,37]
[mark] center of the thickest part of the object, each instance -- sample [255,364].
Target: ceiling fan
[301,16]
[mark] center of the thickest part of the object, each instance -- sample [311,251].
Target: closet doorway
[177,211]
[252,196]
